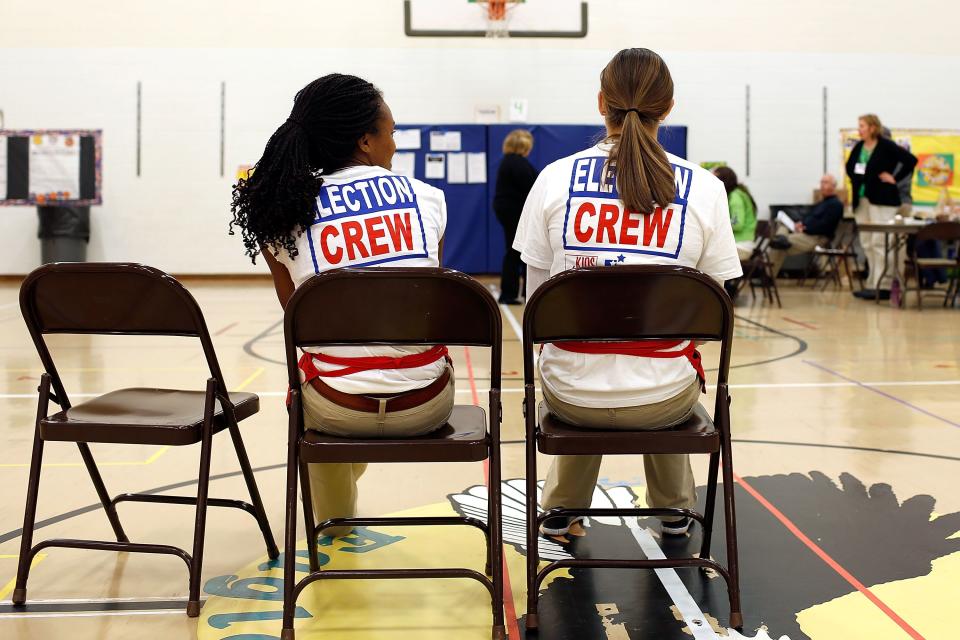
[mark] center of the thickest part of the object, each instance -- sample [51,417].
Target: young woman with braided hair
[624,201]
[322,196]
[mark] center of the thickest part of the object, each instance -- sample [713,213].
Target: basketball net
[498,17]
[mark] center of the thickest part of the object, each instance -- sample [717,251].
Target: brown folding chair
[393,306]
[948,234]
[129,299]
[759,266]
[631,303]
[841,250]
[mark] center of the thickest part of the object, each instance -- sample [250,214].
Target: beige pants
[873,243]
[800,243]
[670,483]
[333,486]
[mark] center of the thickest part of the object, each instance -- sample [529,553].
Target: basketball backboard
[472,19]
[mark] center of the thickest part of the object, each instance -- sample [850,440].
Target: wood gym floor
[847,452]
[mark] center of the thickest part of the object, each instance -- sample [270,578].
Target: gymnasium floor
[847,451]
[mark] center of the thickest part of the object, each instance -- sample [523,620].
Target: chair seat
[462,439]
[696,435]
[933,262]
[142,416]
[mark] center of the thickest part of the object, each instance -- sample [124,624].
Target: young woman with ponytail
[624,201]
[322,196]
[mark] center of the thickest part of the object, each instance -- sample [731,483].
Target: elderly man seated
[816,228]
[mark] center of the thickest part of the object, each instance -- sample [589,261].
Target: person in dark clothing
[874,167]
[817,227]
[515,178]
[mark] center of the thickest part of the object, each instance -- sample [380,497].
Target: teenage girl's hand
[887,177]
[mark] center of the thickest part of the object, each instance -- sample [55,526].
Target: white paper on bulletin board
[403,163]
[55,166]
[407,139]
[3,167]
[445,141]
[435,166]
[476,168]
[457,168]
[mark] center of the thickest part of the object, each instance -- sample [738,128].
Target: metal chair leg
[495,519]
[101,489]
[730,518]
[710,506]
[533,559]
[200,525]
[272,551]
[309,522]
[290,530]
[33,491]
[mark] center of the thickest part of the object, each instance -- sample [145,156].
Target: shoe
[871,294]
[676,528]
[558,525]
[502,300]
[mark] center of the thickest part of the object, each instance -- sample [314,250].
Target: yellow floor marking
[6,589]
[153,458]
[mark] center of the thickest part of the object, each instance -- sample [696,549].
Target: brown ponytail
[638,91]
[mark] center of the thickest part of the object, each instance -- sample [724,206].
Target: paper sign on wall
[457,168]
[519,109]
[54,167]
[407,138]
[404,163]
[435,166]
[445,141]
[486,114]
[476,168]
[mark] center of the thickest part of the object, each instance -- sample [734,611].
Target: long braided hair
[275,204]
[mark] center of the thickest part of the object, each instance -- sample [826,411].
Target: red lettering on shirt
[583,234]
[400,228]
[630,222]
[655,223]
[608,218]
[332,257]
[374,234]
[353,238]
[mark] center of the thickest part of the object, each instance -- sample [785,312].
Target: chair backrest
[109,298]
[628,303]
[845,235]
[391,305]
[943,231]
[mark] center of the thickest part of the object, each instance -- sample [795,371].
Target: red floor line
[802,324]
[510,612]
[833,564]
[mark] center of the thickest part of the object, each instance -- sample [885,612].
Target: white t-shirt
[572,218]
[366,217]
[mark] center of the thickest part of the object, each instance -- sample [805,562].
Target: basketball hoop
[498,16]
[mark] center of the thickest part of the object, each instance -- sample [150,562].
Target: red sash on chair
[367,363]
[643,349]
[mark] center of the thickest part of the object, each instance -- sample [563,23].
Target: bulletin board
[937,153]
[50,167]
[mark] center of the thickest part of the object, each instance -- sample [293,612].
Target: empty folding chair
[129,299]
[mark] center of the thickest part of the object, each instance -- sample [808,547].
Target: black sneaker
[676,528]
[558,525]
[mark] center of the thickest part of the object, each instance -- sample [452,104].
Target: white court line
[91,614]
[517,329]
[103,600]
[770,385]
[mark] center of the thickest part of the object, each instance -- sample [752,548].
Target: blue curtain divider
[474,240]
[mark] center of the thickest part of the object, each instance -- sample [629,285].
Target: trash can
[64,233]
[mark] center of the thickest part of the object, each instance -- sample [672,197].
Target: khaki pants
[670,483]
[800,243]
[333,486]
[873,243]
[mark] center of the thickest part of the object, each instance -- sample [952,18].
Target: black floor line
[92,606]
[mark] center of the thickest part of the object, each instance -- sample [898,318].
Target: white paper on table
[457,168]
[55,166]
[3,167]
[786,221]
[435,166]
[476,168]
[407,139]
[404,163]
[445,141]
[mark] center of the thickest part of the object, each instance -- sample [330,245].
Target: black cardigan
[515,178]
[887,156]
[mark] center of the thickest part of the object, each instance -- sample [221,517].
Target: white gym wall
[67,64]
